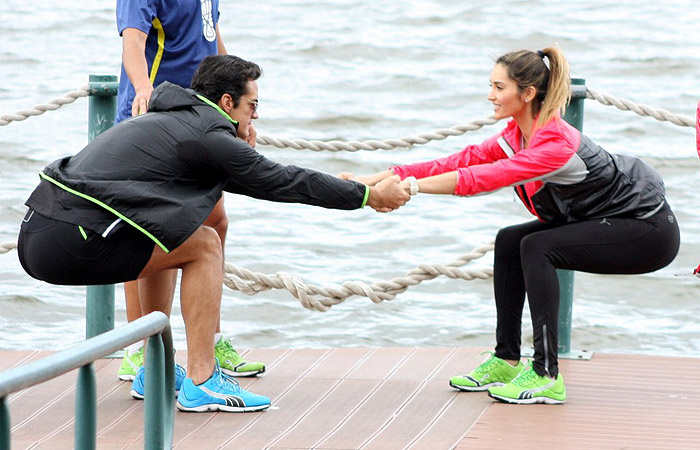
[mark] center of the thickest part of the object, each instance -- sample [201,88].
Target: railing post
[574,116]
[86,409]
[4,425]
[154,401]
[99,308]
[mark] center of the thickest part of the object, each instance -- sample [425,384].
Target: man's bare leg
[201,259]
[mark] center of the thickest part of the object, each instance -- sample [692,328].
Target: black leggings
[526,257]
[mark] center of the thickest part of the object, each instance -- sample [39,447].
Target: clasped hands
[386,193]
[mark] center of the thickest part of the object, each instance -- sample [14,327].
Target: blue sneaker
[219,393]
[138,387]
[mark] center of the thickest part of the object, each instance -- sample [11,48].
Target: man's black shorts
[62,253]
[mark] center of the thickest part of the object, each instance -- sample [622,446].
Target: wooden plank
[381,398]
[614,401]
[41,417]
[222,428]
[18,358]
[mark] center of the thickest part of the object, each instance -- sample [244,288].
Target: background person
[597,213]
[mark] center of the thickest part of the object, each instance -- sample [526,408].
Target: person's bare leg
[201,260]
[218,220]
[159,290]
[133,303]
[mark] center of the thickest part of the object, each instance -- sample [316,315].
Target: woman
[596,213]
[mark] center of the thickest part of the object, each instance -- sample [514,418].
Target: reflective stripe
[161,47]
[507,149]
[546,350]
[652,212]
[105,206]
[111,227]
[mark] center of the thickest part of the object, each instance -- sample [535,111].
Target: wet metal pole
[99,310]
[574,116]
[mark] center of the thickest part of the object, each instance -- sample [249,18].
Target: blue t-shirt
[180,34]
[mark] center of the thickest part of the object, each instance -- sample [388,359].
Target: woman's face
[507,99]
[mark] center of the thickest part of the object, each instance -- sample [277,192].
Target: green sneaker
[492,372]
[130,365]
[529,387]
[231,362]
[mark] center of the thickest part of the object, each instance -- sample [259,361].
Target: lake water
[359,70]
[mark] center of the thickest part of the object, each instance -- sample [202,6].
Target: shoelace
[229,351]
[487,365]
[226,381]
[526,378]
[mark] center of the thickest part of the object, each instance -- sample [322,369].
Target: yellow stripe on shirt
[161,47]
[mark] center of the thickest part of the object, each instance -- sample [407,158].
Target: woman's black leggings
[526,257]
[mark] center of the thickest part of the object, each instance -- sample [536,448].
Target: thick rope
[7,246]
[386,144]
[312,296]
[643,110]
[52,105]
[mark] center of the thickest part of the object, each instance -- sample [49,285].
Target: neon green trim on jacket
[216,107]
[82,232]
[107,207]
[161,48]
[364,201]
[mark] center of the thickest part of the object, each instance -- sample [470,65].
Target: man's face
[247,110]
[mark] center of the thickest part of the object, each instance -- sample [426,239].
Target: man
[165,40]
[132,203]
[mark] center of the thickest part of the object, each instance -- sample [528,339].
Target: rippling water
[356,70]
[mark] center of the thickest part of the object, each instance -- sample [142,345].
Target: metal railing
[160,379]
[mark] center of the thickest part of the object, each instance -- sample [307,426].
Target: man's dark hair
[224,74]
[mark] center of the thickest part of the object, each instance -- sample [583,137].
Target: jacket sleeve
[242,170]
[697,129]
[486,152]
[548,152]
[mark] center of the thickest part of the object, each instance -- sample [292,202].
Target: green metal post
[99,314]
[4,425]
[154,401]
[573,115]
[86,409]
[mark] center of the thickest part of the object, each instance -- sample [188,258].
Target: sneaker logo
[231,400]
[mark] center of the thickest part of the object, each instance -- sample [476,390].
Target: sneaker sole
[231,373]
[126,377]
[138,396]
[476,388]
[527,401]
[223,408]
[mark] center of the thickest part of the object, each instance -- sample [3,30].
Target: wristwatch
[413,185]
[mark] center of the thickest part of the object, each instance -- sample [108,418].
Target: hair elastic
[540,53]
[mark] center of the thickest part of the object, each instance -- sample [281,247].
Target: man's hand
[140,104]
[252,135]
[387,195]
[348,176]
[136,67]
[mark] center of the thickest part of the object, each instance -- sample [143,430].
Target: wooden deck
[389,398]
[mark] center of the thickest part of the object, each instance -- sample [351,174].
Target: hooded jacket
[163,172]
[562,176]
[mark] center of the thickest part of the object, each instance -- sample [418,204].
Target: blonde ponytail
[558,92]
